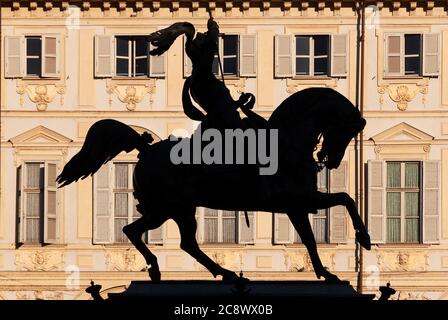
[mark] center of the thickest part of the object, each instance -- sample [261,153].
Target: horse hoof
[230,277]
[364,239]
[154,274]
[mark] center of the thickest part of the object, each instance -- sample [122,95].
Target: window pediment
[40,136]
[403,133]
[402,140]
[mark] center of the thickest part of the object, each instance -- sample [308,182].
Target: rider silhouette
[209,92]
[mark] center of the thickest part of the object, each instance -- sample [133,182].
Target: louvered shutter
[282,231]
[248,57]
[376,200]
[104,56]
[339,55]
[338,215]
[246,235]
[284,51]
[102,206]
[431,54]
[157,65]
[51,56]
[14,56]
[431,201]
[51,204]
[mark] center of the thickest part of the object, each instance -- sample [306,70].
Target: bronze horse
[168,191]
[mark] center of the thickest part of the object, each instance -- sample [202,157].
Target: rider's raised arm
[212,33]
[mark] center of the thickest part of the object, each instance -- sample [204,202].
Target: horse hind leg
[134,231]
[302,224]
[187,227]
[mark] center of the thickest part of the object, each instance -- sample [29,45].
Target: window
[131,56]
[403,209]
[228,51]
[126,56]
[319,222]
[311,55]
[221,226]
[33,56]
[403,201]
[37,203]
[238,58]
[115,205]
[412,54]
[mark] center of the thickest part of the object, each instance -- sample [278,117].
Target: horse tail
[104,141]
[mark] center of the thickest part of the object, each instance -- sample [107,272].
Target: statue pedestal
[217,290]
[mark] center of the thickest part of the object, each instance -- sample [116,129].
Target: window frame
[131,58]
[220,218]
[311,57]
[22,190]
[237,56]
[402,55]
[403,190]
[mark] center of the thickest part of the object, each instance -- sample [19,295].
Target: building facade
[67,64]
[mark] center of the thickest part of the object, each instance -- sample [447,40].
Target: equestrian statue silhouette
[173,191]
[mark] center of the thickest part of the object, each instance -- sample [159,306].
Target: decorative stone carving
[155,8]
[228,8]
[337,8]
[175,8]
[86,8]
[106,8]
[265,6]
[402,261]
[320,8]
[131,94]
[245,7]
[124,260]
[286,8]
[429,7]
[39,295]
[301,261]
[194,8]
[122,5]
[304,5]
[41,260]
[41,94]
[407,295]
[403,94]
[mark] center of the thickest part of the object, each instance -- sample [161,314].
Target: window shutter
[156,235]
[187,62]
[14,53]
[431,49]
[284,56]
[376,200]
[51,53]
[102,206]
[394,55]
[246,235]
[339,55]
[248,57]
[431,201]
[282,232]
[210,225]
[20,238]
[51,204]
[338,217]
[156,65]
[104,56]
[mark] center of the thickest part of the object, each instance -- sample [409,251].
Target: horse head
[337,135]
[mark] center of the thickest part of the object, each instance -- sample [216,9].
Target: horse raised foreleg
[328,200]
[134,232]
[187,227]
[302,224]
